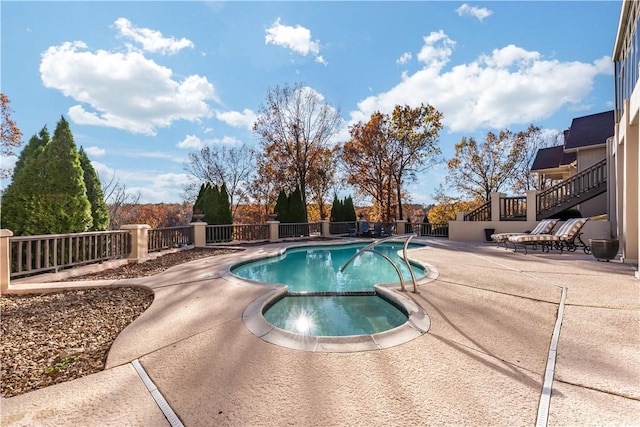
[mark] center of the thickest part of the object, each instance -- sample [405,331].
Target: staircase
[579,188]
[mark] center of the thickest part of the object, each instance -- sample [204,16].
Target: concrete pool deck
[483,361]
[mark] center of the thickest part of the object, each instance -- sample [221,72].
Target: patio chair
[388,230]
[564,237]
[544,227]
[364,229]
[377,230]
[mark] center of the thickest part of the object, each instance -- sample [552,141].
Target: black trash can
[488,232]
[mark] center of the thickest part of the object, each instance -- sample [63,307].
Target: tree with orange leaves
[11,135]
[384,154]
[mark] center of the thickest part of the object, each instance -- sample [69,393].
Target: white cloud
[509,86]
[105,173]
[404,58]
[194,142]
[161,188]
[477,12]
[437,50]
[155,155]
[123,90]
[95,151]
[151,40]
[245,119]
[297,38]
[191,141]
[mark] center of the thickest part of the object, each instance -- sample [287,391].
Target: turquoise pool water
[335,316]
[317,268]
[311,270]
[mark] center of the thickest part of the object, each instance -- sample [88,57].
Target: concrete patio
[482,362]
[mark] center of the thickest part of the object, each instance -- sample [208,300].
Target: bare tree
[295,126]
[532,140]
[120,203]
[232,166]
[322,179]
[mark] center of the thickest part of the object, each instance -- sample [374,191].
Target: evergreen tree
[197,206]
[335,209]
[348,210]
[224,207]
[209,203]
[296,210]
[65,207]
[20,200]
[282,207]
[99,211]
[48,193]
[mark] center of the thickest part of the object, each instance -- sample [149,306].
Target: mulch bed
[56,337]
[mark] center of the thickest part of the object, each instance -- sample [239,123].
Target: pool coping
[417,324]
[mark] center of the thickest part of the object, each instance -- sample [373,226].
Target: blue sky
[145,83]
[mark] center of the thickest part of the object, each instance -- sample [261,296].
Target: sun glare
[303,323]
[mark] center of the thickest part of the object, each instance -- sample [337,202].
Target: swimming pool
[324,300]
[317,268]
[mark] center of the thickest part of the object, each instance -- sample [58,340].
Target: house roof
[589,131]
[552,157]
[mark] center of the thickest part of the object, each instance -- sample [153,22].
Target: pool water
[334,316]
[317,268]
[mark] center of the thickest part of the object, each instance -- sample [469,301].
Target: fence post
[139,241]
[494,197]
[199,234]
[401,226]
[532,205]
[324,228]
[5,260]
[274,232]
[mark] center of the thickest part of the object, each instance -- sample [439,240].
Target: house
[585,146]
[622,150]
[554,164]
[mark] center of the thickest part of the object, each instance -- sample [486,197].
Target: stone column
[494,197]
[5,260]
[199,234]
[532,204]
[324,228]
[274,232]
[401,226]
[139,241]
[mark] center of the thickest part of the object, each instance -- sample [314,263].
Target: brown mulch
[56,337]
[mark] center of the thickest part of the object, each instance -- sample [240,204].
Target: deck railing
[431,230]
[580,183]
[297,229]
[481,213]
[170,237]
[237,232]
[54,252]
[513,208]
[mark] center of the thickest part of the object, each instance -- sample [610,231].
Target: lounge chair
[377,230]
[364,229]
[352,230]
[388,230]
[564,237]
[544,227]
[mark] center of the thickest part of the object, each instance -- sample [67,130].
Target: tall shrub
[65,205]
[99,210]
[20,199]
